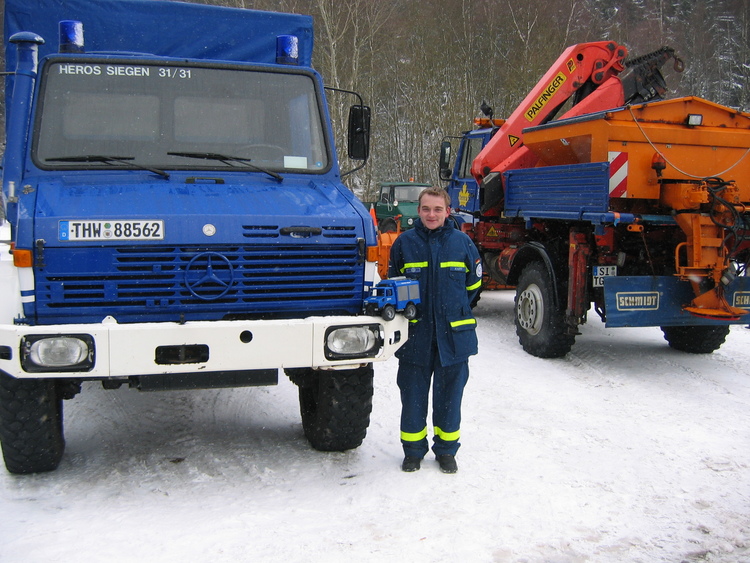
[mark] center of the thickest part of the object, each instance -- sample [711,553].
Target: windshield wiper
[126,160]
[228,160]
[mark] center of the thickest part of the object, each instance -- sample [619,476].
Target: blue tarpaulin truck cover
[163,28]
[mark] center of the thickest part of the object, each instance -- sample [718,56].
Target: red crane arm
[577,72]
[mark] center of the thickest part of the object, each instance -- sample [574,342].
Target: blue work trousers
[447,392]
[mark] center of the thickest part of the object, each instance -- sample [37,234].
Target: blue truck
[173,217]
[392,295]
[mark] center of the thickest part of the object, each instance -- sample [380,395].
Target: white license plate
[601,272]
[110,230]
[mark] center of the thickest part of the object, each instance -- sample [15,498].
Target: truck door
[463,188]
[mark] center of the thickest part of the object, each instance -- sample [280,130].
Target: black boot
[447,463]
[410,464]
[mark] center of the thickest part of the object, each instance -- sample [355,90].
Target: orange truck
[628,204]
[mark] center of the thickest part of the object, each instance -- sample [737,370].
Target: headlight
[360,341]
[72,352]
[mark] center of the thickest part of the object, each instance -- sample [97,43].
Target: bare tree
[426,65]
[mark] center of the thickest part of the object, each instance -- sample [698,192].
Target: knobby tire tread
[31,426]
[695,339]
[336,408]
[553,340]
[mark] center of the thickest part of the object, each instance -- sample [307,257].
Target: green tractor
[396,207]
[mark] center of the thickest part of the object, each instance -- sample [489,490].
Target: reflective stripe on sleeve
[474,286]
[463,322]
[447,436]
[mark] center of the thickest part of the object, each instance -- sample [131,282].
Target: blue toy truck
[394,294]
[173,217]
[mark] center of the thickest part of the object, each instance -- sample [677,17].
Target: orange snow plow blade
[385,242]
[713,305]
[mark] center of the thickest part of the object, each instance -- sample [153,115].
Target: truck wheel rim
[530,309]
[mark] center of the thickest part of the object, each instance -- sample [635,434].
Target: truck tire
[31,424]
[336,408]
[695,339]
[540,326]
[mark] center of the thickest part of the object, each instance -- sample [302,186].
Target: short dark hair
[437,192]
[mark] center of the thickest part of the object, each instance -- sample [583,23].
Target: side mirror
[445,160]
[359,132]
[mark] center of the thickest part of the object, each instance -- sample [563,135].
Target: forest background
[425,66]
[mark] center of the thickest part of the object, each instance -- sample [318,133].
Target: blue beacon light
[287,49]
[71,36]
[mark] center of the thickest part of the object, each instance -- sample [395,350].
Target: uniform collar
[425,232]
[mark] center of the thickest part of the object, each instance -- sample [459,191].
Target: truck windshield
[157,115]
[408,193]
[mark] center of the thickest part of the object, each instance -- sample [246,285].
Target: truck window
[143,112]
[472,147]
[130,117]
[408,193]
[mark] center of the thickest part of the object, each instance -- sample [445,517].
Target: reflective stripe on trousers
[447,392]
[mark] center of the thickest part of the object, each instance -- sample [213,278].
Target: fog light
[694,119]
[360,341]
[57,353]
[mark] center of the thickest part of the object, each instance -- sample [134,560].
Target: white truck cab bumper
[112,350]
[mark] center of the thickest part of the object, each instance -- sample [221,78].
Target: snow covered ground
[624,450]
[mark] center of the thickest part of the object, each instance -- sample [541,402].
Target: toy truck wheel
[388,313]
[336,407]
[540,326]
[31,424]
[695,339]
[410,311]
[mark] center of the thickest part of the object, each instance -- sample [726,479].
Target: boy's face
[433,211]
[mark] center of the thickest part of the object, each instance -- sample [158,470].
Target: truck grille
[157,283]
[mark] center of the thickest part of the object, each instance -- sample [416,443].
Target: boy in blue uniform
[443,336]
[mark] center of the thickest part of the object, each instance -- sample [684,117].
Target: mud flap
[661,301]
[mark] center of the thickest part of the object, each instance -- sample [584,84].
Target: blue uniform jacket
[449,270]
